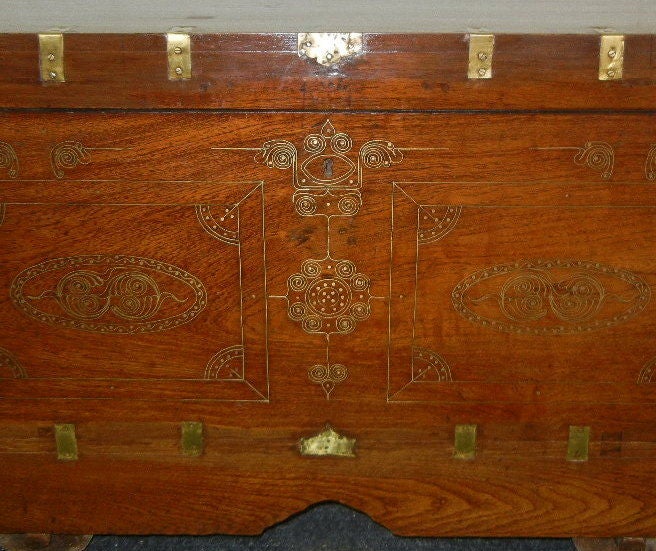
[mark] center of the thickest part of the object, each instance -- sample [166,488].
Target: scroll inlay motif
[8,159]
[69,154]
[9,365]
[109,294]
[598,156]
[650,164]
[550,297]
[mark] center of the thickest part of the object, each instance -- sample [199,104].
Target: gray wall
[520,16]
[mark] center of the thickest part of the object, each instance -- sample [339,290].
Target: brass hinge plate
[481,48]
[51,57]
[178,51]
[465,442]
[578,443]
[66,442]
[611,57]
[329,48]
[192,438]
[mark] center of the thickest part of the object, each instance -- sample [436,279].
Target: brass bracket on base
[66,441]
[578,444]
[192,439]
[465,442]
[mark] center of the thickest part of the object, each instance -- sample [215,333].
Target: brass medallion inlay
[328,295]
[109,294]
[550,297]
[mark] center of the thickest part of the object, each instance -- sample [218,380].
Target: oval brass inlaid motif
[549,297]
[328,169]
[109,294]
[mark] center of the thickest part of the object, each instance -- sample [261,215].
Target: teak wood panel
[263,71]
[487,269]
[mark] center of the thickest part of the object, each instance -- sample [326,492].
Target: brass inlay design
[550,297]
[69,154]
[328,182]
[108,294]
[327,443]
[178,52]
[328,295]
[66,442]
[223,226]
[648,373]
[578,444]
[192,441]
[51,57]
[227,364]
[428,366]
[328,376]
[611,57]
[8,159]
[329,48]
[434,221]
[481,49]
[650,164]
[9,363]
[598,156]
[465,442]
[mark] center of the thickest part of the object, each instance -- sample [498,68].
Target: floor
[327,527]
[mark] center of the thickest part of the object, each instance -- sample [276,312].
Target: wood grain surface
[264,72]
[158,267]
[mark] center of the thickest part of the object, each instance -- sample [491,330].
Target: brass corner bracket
[481,49]
[611,57]
[178,53]
[51,57]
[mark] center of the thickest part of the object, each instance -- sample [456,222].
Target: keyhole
[328,168]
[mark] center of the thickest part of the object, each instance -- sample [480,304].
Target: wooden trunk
[454,274]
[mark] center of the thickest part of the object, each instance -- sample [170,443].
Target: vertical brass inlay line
[465,442]
[192,438]
[578,443]
[66,441]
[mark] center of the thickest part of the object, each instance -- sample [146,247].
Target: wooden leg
[44,542]
[615,544]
